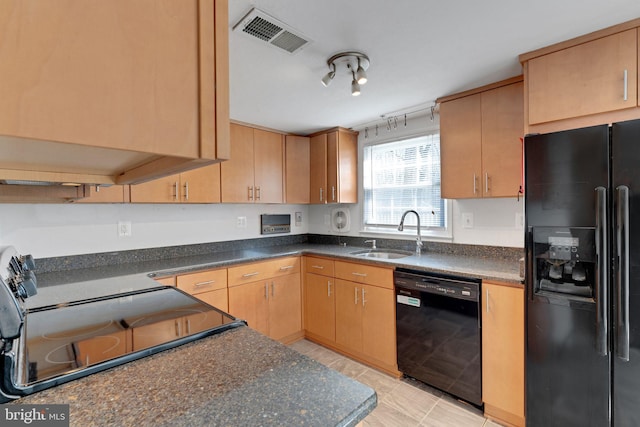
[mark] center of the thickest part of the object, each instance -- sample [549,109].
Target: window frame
[432,233]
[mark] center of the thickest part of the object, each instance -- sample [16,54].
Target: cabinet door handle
[178,328]
[359,274]
[328,288]
[257,193]
[363,300]
[486,182]
[333,193]
[175,190]
[266,290]
[356,295]
[321,194]
[255,273]
[188,326]
[273,289]
[286,267]
[250,192]
[626,86]
[475,183]
[486,300]
[186,190]
[200,284]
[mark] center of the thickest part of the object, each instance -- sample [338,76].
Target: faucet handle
[373,243]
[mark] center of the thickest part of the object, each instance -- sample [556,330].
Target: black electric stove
[50,345]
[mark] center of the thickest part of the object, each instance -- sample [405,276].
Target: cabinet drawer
[263,270]
[320,266]
[364,273]
[204,281]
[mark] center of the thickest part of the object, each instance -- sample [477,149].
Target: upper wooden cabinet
[113,91]
[254,174]
[297,175]
[480,146]
[200,185]
[334,167]
[586,81]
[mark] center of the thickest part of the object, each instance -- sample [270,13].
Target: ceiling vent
[268,29]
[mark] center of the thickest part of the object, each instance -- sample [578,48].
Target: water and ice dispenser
[564,261]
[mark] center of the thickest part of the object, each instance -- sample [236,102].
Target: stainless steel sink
[382,253]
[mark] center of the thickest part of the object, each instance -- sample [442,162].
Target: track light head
[355,87]
[328,78]
[361,75]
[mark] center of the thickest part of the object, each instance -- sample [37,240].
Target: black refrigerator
[582,241]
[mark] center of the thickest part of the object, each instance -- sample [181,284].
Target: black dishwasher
[438,331]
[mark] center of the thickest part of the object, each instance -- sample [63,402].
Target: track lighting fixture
[356,63]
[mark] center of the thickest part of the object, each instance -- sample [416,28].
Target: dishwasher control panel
[455,287]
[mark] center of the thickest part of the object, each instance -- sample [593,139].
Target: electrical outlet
[467,220]
[241,222]
[124,229]
[298,218]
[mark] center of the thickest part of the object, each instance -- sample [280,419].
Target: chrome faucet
[419,239]
[373,243]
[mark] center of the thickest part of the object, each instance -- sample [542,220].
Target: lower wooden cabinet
[320,306]
[350,307]
[273,304]
[209,286]
[503,352]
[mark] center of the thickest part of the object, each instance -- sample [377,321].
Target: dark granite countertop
[236,378]
[483,267]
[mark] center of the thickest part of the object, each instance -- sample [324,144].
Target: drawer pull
[286,267]
[359,274]
[319,267]
[251,274]
[208,282]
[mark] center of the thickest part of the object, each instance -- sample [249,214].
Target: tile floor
[401,402]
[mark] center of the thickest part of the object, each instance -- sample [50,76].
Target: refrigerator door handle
[622,273]
[602,339]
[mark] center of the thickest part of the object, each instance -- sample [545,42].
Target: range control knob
[28,262]
[30,284]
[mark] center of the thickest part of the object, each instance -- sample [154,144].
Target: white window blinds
[403,175]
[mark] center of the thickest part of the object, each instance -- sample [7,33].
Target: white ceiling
[419,50]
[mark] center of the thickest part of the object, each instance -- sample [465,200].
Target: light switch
[467,220]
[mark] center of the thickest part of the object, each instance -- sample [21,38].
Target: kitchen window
[402,175]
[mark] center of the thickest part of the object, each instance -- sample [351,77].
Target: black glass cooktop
[68,339]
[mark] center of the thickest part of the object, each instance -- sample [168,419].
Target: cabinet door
[460,147]
[163,190]
[318,169]
[503,351]
[217,298]
[297,175]
[342,167]
[349,314]
[201,185]
[319,308]
[285,307]
[584,79]
[268,166]
[82,80]
[378,324]
[236,174]
[249,302]
[502,128]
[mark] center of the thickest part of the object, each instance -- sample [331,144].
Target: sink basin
[382,253]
